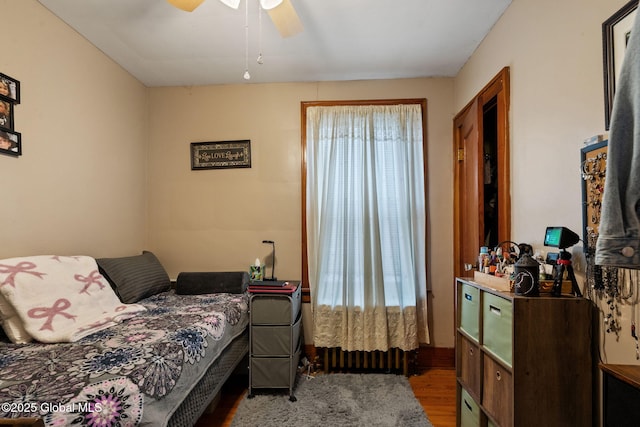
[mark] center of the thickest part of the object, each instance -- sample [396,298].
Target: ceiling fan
[282,13]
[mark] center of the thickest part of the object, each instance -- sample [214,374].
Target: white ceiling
[342,39]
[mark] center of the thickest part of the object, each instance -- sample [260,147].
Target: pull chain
[260,60]
[246,74]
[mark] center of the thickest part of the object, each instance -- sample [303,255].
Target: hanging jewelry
[627,283]
[612,293]
[593,172]
[634,285]
[602,282]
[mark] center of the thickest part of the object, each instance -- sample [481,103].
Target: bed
[156,356]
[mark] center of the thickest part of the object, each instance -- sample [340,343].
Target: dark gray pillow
[136,277]
[197,283]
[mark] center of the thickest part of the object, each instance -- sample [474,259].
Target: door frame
[499,89]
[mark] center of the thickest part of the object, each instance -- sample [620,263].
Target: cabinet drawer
[469,411]
[469,305]
[497,321]
[275,309]
[274,372]
[497,392]
[275,340]
[470,365]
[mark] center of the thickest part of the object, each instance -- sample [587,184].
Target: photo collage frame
[10,139]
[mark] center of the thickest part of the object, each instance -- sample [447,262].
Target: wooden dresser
[522,361]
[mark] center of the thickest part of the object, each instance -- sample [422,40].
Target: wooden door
[468,171]
[468,220]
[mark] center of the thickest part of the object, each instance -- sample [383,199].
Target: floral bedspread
[135,372]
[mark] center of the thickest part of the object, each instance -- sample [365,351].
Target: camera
[560,237]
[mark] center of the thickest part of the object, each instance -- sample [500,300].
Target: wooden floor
[435,388]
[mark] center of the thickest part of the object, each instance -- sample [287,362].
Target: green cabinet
[470,310]
[469,411]
[497,316]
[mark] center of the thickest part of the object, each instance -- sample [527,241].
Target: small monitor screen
[552,236]
[560,237]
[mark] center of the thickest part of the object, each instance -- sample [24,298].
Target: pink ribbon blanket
[59,298]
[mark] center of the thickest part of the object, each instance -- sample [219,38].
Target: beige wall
[217,219]
[554,50]
[101,150]
[80,185]
[106,168]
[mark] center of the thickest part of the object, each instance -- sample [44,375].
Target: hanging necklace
[633,283]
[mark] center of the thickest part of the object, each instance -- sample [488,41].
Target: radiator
[393,360]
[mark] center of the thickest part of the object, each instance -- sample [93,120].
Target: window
[364,212]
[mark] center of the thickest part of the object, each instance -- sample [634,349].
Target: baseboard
[436,357]
[427,357]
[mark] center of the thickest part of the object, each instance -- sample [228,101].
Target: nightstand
[275,339]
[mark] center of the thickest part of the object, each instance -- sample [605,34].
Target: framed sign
[221,155]
[615,35]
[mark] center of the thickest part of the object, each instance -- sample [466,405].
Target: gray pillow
[197,283]
[136,277]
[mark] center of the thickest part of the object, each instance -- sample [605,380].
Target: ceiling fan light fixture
[186,5]
[233,4]
[269,4]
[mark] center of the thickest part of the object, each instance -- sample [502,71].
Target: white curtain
[366,226]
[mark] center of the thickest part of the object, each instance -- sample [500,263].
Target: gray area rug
[383,400]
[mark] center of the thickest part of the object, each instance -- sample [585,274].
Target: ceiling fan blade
[186,5]
[233,4]
[269,4]
[285,19]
